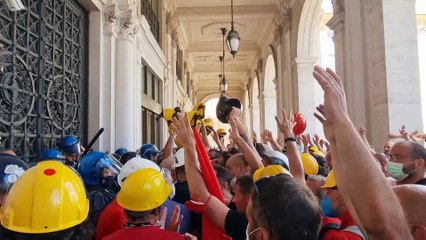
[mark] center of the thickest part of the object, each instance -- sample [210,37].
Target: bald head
[412,198]
[237,163]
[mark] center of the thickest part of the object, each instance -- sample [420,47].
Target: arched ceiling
[198,26]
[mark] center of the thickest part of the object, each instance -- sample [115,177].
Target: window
[151,106]
[149,8]
[179,65]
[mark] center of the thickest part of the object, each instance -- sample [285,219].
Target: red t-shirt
[111,220]
[145,233]
[341,234]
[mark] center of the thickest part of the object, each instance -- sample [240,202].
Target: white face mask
[250,233]
[233,182]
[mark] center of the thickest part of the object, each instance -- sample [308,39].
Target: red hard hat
[300,123]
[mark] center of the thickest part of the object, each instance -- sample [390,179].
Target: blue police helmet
[147,150]
[120,151]
[92,164]
[69,145]
[51,154]
[11,168]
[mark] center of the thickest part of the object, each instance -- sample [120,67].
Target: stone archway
[270,95]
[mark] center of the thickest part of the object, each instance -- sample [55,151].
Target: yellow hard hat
[200,109]
[221,132]
[47,198]
[168,114]
[330,182]
[144,190]
[269,171]
[193,118]
[310,165]
[208,123]
[316,151]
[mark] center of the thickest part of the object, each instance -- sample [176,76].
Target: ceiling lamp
[233,39]
[223,84]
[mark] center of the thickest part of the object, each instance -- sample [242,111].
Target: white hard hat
[134,164]
[179,159]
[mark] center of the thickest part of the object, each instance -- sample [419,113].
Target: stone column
[309,93]
[392,67]
[402,65]
[107,84]
[126,107]
[350,55]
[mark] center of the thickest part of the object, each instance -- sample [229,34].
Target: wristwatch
[292,139]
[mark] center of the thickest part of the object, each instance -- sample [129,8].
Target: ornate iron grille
[44,75]
[148,12]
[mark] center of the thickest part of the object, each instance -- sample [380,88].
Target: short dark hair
[246,184]
[222,174]
[179,170]
[259,148]
[417,150]
[127,156]
[234,150]
[287,208]
[217,153]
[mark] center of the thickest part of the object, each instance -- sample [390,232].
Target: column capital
[110,16]
[128,24]
[337,22]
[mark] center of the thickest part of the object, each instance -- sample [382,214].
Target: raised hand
[361,130]
[233,131]
[267,135]
[416,136]
[254,136]
[175,220]
[404,132]
[182,128]
[305,140]
[285,123]
[317,140]
[215,136]
[334,110]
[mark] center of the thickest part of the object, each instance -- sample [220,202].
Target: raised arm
[216,210]
[357,175]
[252,157]
[285,124]
[361,131]
[267,136]
[204,136]
[219,143]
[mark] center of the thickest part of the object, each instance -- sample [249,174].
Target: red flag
[210,230]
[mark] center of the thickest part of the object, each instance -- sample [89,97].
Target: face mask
[396,170]
[327,207]
[250,233]
[233,182]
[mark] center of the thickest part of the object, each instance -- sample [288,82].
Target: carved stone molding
[110,15]
[338,6]
[128,24]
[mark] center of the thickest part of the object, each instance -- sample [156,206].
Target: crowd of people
[301,188]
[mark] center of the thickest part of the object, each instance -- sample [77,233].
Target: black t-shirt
[232,206]
[182,192]
[236,225]
[181,196]
[422,182]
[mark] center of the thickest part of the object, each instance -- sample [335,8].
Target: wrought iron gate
[43,75]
